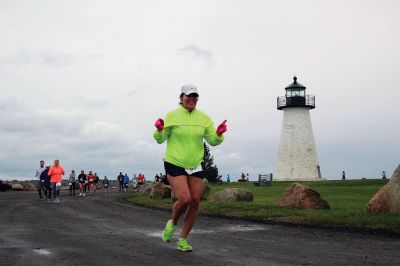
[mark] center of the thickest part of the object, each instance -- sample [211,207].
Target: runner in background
[72,183]
[106,184]
[120,181]
[134,183]
[126,182]
[38,173]
[82,183]
[90,179]
[55,173]
[140,179]
[96,181]
[45,182]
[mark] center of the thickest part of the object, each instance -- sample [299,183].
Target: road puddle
[155,234]
[246,228]
[234,228]
[41,251]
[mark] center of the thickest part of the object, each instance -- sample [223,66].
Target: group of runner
[88,183]
[124,181]
[50,179]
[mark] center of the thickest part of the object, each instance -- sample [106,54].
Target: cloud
[199,53]
[24,57]
[57,60]
[21,58]
[28,135]
[131,93]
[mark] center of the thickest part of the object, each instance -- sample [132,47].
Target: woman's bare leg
[196,186]
[181,189]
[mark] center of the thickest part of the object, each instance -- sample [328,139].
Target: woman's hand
[221,129]
[159,124]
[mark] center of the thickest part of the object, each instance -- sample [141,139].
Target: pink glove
[221,129]
[159,124]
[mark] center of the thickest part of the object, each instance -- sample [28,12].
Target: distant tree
[210,170]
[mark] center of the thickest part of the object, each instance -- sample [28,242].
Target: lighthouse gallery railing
[307,101]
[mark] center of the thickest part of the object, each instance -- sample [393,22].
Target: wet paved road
[98,230]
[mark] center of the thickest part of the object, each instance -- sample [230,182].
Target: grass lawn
[347,199]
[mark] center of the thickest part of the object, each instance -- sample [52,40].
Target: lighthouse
[297,154]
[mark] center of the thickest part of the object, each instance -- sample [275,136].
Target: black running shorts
[174,170]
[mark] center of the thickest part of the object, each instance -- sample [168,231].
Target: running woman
[90,178]
[55,173]
[184,129]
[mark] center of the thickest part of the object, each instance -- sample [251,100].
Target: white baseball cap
[189,89]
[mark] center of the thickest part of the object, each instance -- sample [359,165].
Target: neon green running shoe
[183,245]
[168,231]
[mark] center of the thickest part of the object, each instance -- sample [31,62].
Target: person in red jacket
[90,177]
[55,173]
[140,179]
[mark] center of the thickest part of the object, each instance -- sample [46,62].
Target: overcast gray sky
[84,81]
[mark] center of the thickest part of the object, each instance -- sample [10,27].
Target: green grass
[347,199]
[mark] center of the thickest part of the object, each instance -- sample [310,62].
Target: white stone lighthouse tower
[297,155]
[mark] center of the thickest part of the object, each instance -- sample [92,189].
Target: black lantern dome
[296,97]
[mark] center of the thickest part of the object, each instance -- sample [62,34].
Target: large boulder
[233,194]
[160,191]
[387,199]
[17,187]
[302,197]
[204,196]
[145,189]
[30,187]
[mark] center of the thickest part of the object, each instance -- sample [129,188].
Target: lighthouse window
[295,93]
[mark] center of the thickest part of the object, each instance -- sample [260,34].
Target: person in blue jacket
[126,182]
[45,183]
[106,184]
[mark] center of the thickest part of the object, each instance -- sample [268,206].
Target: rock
[145,189]
[173,197]
[204,196]
[30,187]
[17,187]
[167,191]
[160,191]
[302,197]
[387,199]
[233,194]
[206,190]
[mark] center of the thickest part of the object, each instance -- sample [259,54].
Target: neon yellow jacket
[184,132]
